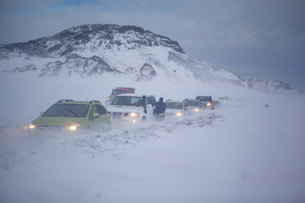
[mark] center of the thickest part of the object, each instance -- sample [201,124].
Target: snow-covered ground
[249,149]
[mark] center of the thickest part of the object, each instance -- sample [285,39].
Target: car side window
[185,106]
[152,101]
[93,110]
[149,100]
[100,109]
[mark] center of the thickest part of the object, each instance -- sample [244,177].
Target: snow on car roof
[125,88]
[175,101]
[133,95]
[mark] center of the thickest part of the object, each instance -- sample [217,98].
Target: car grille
[119,114]
[116,114]
[52,128]
[169,114]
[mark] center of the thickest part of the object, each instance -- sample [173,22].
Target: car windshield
[127,100]
[192,102]
[67,110]
[116,92]
[203,98]
[174,105]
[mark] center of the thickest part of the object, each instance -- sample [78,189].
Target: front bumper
[126,117]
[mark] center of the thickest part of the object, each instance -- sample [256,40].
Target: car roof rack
[127,88]
[94,101]
[65,100]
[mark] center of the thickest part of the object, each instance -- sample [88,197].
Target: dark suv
[206,102]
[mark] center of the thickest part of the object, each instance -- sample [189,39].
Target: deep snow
[250,149]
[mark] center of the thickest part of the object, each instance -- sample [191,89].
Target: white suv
[131,107]
[176,109]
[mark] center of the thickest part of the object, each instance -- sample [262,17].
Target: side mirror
[95,115]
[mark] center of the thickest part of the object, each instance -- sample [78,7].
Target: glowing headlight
[31,126]
[196,110]
[107,98]
[134,115]
[209,104]
[73,127]
[179,114]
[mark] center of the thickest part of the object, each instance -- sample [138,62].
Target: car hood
[125,109]
[57,121]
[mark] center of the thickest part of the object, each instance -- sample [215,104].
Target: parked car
[119,90]
[193,105]
[132,107]
[205,102]
[176,109]
[73,116]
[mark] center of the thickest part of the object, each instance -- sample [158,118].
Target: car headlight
[179,114]
[73,127]
[196,110]
[209,104]
[32,126]
[107,98]
[134,115]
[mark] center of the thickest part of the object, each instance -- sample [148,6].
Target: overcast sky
[255,38]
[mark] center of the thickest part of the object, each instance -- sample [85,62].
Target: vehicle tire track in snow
[16,147]
[113,142]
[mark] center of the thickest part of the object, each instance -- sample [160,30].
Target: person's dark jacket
[160,106]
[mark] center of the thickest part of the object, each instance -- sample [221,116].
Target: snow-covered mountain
[96,49]
[269,85]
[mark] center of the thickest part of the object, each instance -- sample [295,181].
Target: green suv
[73,116]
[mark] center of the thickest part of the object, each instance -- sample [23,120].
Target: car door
[186,109]
[98,116]
[104,117]
[150,107]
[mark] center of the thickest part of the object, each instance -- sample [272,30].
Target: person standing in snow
[160,110]
[144,106]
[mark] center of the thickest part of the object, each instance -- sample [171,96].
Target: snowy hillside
[92,50]
[270,86]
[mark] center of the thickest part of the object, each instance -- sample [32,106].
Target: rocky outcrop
[147,73]
[77,38]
